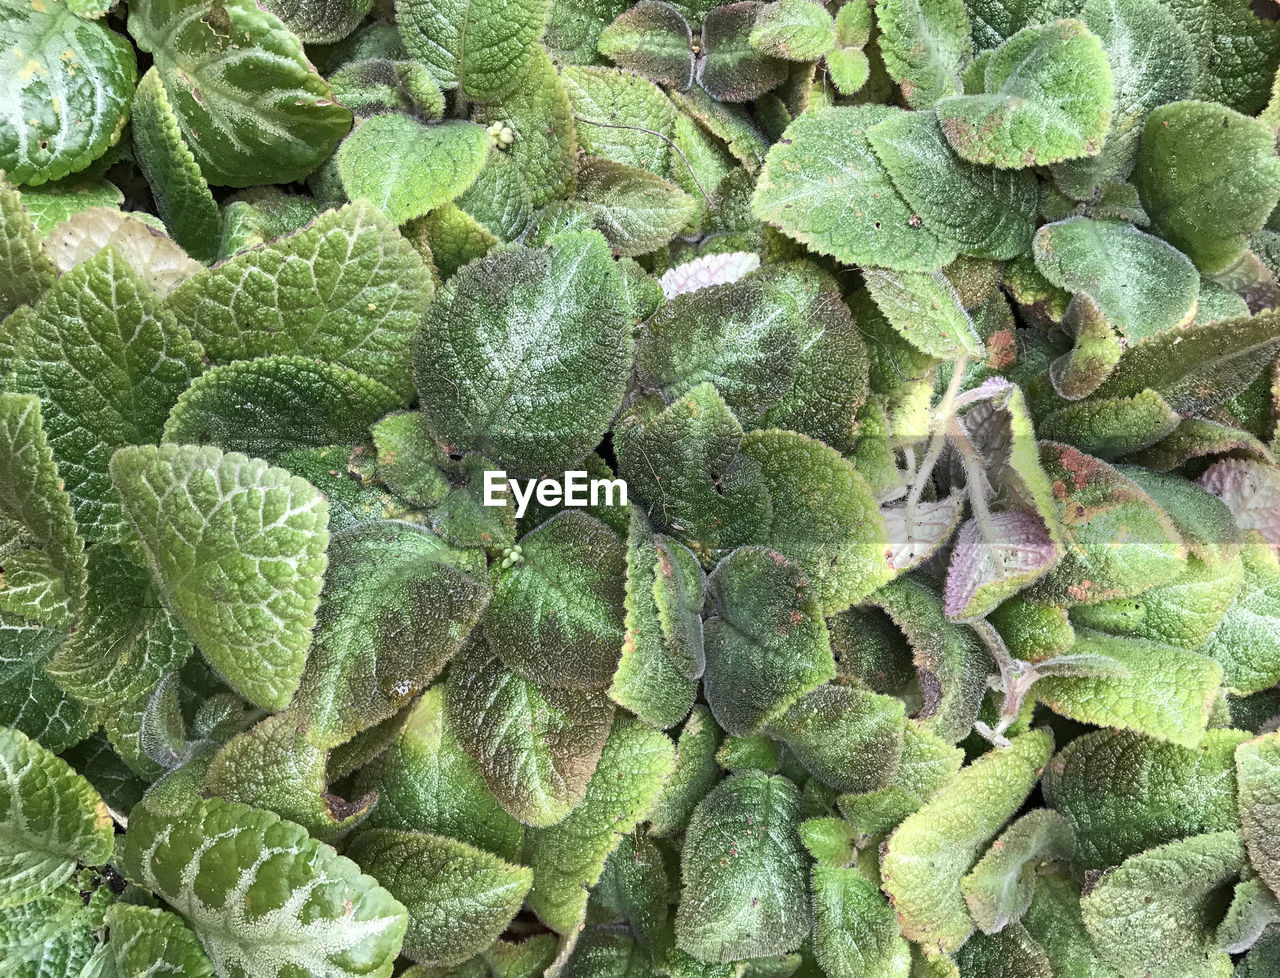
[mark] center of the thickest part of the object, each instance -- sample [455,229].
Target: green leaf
[160,263]
[1047,98]
[606,94]
[376,86]
[730,68]
[1112,426]
[52,203]
[935,847]
[397,603]
[831,841]
[824,517]
[320,21]
[653,39]
[107,362]
[979,210]
[238,548]
[346,289]
[426,782]
[1156,911]
[153,941]
[823,185]
[925,309]
[409,462]
[568,857]
[1238,51]
[848,68]
[1011,952]
[926,47]
[459,897]
[794,30]
[25,270]
[1247,642]
[636,211]
[29,700]
[998,889]
[67,82]
[263,898]
[695,772]
[743,868]
[1208,177]
[1124,792]
[525,354]
[1158,690]
[182,197]
[1253,909]
[637,885]
[536,748]
[479,46]
[50,819]
[1257,762]
[1141,284]
[407,169]
[855,934]
[995,21]
[250,106]
[767,644]
[1054,922]
[54,934]
[849,738]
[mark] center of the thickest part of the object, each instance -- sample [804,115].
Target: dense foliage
[937,343]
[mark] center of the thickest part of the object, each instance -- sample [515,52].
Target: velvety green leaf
[744,872]
[1047,98]
[998,889]
[25,270]
[1238,51]
[932,850]
[54,935]
[607,94]
[320,21]
[264,899]
[1156,911]
[107,362]
[50,819]
[182,197]
[979,210]
[153,942]
[426,782]
[831,841]
[1259,800]
[793,30]
[409,462]
[1247,642]
[855,934]
[694,774]
[1253,909]
[238,548]
[376,86]
[1109,427]
[824,186]
[574,28]
[250,106]
[67,82]
[1011,952]
[463,519]
[1158,690]
[568,857]
[1054,921]
[729,67]
[536,748]
[499,199]
[397,603]
[479,46]
[1208,178]
[269,214]
[459,897]
[524,355]
[346,289]
[407,169]
[767,644]
[272,405]
[925,308]
[636,211]
[847,737]
[925,45]
[29,700]
[653,39]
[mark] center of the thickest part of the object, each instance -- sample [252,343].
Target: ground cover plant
[935,341]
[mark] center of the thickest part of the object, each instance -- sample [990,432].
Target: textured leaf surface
[729,67]
[1257,764]
[1247,642]
[346,289]
[254,112]
[854,930]
[25,270]
[695,772]
[320,21]
[998,889]
[849,738]
[992,561]
[926,309]
[654,39]
[239,550]
[263,897]
[926,47]
[743,868]
[160,263]
[154,942]
[795,30]
[636,211]
[1237,50]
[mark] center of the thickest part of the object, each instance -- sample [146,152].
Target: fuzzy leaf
[794,30]
[636,211]
[320,21]
[730,68]
[926,310]
[238,548]
[999,888]
[653,39]
[151,940]
[848,738]
[607,94]
[855,934]
[1257,762]
[251,107]
[1251,491]
[25,270]
[994,561]
[1238,51]
[926,47]
[1247,642]
[695,772]
[1110,427]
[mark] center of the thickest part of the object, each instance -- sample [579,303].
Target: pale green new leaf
[265,900]
[51,819]
[250,105]
[926,47]
[855,934]
[998,889]
[238,548]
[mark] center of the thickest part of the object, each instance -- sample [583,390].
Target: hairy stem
[941,415]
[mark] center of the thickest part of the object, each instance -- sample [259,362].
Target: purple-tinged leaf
[912,542]
[993,561]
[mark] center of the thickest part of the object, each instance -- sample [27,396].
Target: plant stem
[941,415]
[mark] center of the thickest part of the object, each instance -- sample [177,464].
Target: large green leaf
[855,934]
[525,354]
[265,900]
[849,738]
[635,210]
[794,30]
[65,87]
[1047,98]
[653,39]
[29,700]
[107,362]
[568,857]
[823,185]
[347,289]
[935,847]
[479,46]
[1238,51]
[926,47]
[50,819]
[1257,767]
[238,549]
[729,67]
[250,105]
[743,869]
[459,897]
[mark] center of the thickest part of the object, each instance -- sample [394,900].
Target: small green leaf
[409,462]
[377,86]
[1011,952]
[407,169]
[238,548]
[145,940]
[636,211]
[479,46]
[50,819]
[998,889]
[1054,922]
[250,105]
[653,39]
[925,308]
[794,30]
[743,868]
[855,934]
[1109,427]
[236,873]
[29,700]
[459,897]
[694,774]
[25,270]
[1047,98]
[320,21]
[847,737]
[729,67]
[831,841]
[926,47]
